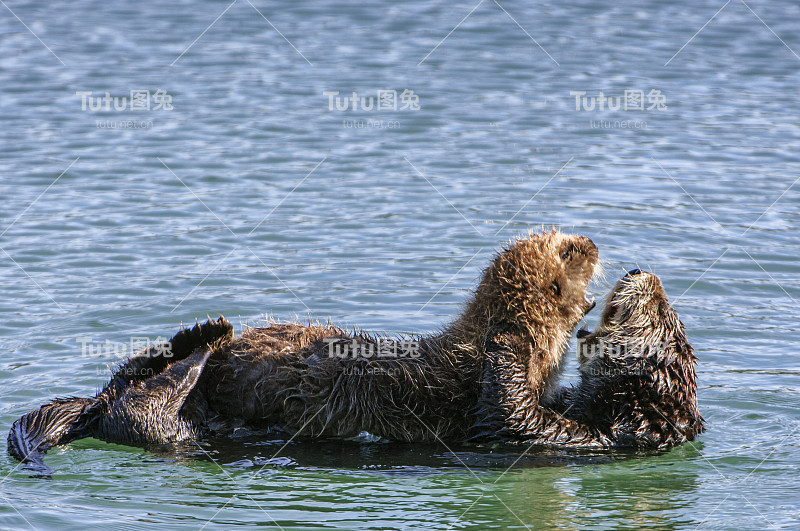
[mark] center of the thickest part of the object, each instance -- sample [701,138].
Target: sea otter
[319,381]
[638,385]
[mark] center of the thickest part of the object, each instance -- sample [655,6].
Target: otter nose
[634,272]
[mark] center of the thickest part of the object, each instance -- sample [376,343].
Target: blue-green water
[250,197]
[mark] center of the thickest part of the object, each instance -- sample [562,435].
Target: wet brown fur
[529,300]
[638,384]
[533,294]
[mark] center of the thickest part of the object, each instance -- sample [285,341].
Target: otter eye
[556,289]
[569,251]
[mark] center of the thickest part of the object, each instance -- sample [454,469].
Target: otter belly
[314,395]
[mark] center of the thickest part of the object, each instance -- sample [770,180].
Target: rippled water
[251,197]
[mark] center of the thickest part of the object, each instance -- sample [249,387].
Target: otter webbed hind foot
[188,340]
[146,412]
[155,358]
[142,382]
[151,411]
[60,421]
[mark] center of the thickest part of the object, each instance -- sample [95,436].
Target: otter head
[640,361]
[539,282]
[637,322]
[534,292]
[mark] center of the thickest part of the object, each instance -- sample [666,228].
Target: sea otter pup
[318,381]
[637,385]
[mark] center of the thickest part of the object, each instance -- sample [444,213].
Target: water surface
[249,197]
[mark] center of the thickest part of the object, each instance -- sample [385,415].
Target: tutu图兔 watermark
[137,100]
[136,345]
[631,100]
[629,358]
[381,348]
[384,100]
